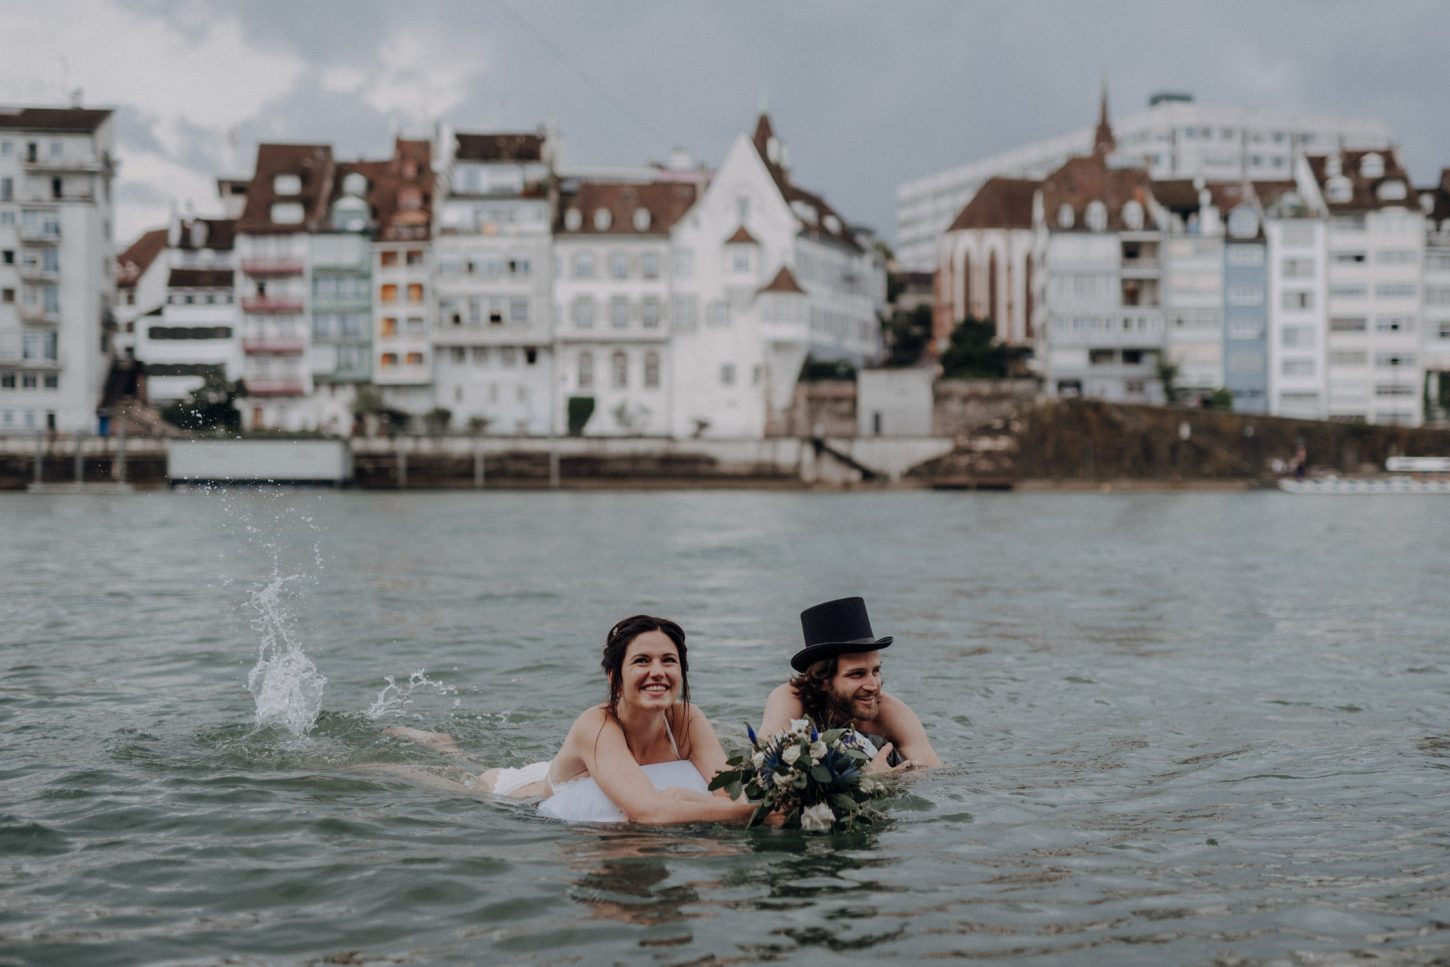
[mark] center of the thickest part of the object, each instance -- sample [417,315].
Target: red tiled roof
[795,196]
[785,282]
[402,195]
[499,147]
[666,202]
[1081,181]
[312,163]
[200,279]
[52,118]
[133,263]
[1000,203]
[741,236]
[1365,191]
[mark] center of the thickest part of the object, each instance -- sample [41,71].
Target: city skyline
[196,89]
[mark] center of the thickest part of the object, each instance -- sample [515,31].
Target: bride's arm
[613,766]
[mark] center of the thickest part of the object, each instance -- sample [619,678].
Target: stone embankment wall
[827,408]
[1090,441]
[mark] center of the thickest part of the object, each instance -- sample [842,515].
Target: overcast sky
[865,93]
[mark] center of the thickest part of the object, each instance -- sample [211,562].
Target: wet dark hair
[813,688]
[617,642]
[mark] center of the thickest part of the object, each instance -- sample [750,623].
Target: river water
[1181,728]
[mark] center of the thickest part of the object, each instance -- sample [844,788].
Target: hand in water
[437,741]
[879,766]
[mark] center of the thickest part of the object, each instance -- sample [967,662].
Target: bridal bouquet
[817,779]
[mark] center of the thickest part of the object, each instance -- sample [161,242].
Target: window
[1096,216]
[1245,255]
[1297,268]
[717,313]
[586,370]
[602,219]
[519,311]
[619,370]
[619,266]
[1348,258]
[1297,367]
[649,265]
[1395,256]
[1394,389]
[583,265]
[1347,324]
[388,360]
[1437,295]
[415,256]
[1348,290]
[1245,295]
[415,292]
[641,219]
[1393,360]
[389,327]
[573,220]
[582,313]
[287,212]
[388,293]
[739,258]
[509,356]
[287,184]
[1298,300]
[415,359]
[727,374]
[1394,324]
[1394,290]
[1245,328]
[1297,337]
[1245,361]
[1348,357]
[619,312]
[649,312]
[651,370]
[1101,357]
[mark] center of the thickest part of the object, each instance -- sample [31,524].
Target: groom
[838,682]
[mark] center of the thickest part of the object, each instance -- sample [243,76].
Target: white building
[141,272]
[1435,331]
[493,361]
[195,332]
[404,322]
[286,200]
[56,275]
[1173,138]
[613,299]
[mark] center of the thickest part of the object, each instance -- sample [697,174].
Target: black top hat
[834,628]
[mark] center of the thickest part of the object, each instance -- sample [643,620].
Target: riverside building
[56,280]
[1175,137]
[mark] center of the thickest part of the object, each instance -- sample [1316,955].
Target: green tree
[437,420]
[1168,376]
[906,335]
[815,370]
[211,406]
[973,352]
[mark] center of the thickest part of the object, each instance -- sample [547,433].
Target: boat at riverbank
[1405,475]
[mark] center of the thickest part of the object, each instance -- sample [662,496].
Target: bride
[642,756]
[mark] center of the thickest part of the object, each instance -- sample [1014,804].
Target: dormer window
[1372,165]
[1392,190]
[410,198]
[804,212]
[602,219]
[287,184]
[287,213]
[573,219]
[355,183]
[1097,216]
[641,219]
[1065,216]
[833,224]
[1243,222]
[1332,167]
[1133,215]
[1339,190]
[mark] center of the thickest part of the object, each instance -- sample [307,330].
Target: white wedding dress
[582,801]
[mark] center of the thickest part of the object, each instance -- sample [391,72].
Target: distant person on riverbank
[838,683]
[645,755]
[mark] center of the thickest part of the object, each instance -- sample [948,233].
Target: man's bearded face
[856,688]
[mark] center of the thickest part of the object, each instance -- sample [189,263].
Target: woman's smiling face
[651,671]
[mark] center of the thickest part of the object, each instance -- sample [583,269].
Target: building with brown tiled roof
[404,309]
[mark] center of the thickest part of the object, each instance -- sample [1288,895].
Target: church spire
[1103,141]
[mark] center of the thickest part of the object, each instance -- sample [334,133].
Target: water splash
[394,697]
[285,684]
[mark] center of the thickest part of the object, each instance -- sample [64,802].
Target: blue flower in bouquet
[817,779]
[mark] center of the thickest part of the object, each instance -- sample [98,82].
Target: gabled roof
[219,235]
[784,282]
[133,263]
[1081,181]
[665,201]
[75,119]
[1364,190]
[499,147]
[741,236]
[402,195]
[313,165]
[1000,203]
[820,213]
[200,279]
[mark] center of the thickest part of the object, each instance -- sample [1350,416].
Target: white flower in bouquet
[800,726]
[818,818]
[790,754]
[758,759]
[818,750]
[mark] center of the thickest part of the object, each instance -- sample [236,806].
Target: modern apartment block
[56,276]
[1174,138]
[403,307]
[195,331]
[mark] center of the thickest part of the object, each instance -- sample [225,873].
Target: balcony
[40,234]
[74,165]
[38,273]
[271,305]
[274,387]
[271,268]
[273,346]
[39,314]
